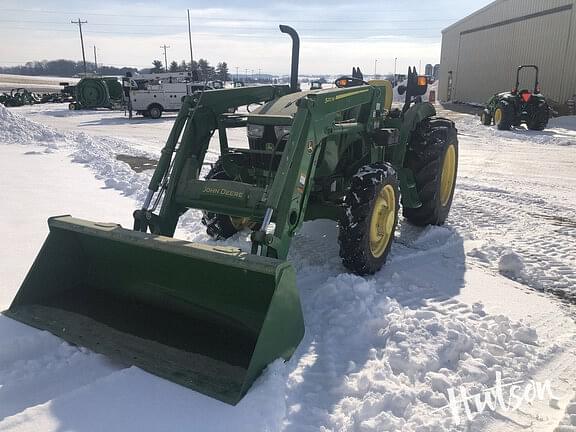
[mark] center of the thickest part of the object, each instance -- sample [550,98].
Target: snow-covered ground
[459,305]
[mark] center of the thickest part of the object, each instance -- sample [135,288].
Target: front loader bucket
[209,318]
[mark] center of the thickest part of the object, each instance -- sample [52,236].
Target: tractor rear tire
[504,115]
[432,155]
[369,219]
[486,117]
[539,118]
[220,226]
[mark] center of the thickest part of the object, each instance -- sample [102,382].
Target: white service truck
[152,94]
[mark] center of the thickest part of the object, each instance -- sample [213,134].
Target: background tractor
[97,92]
[211,316]
[513,108]
[19,97]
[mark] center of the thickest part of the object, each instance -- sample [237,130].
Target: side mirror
[401,89]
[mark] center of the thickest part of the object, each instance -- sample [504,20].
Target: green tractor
[211,316]
[97,92]
[19,97]
[513,108]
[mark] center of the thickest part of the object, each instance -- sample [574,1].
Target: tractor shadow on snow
[546,136]
[111,121]
[425,265]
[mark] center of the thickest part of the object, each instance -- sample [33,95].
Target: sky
[335,35]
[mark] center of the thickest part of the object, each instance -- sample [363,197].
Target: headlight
[255,131]
[281,131]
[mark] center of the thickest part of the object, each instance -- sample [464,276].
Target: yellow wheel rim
[498,115]
[448,175]
[382,221]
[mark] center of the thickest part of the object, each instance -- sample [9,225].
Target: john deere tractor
[212,316]
[513,108]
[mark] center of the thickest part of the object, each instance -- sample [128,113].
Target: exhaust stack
[295,55]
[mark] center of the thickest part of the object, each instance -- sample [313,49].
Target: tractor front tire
[486,117]
[432,155]
[504,115]
[220,226]
[539,118]
[369,219]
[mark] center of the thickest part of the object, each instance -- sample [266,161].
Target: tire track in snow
[528,226]
[370,363]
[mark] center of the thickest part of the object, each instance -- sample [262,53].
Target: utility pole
[237,74]
[246,75]
[95,61]
[395,61]
[375,63]
[79,22]
[165,47]
[190,40]
[259,73]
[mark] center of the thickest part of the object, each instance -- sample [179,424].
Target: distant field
[33,83]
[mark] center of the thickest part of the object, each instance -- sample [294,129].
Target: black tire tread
[507,115]
[354,224]
[218,226]
[538,121]
[486,117]
[424,156]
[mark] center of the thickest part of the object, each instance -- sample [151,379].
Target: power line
[79,22]
[190,41]
[160,16]
[204,23]
[271,29]
[95,61]
[269,36]
[165,47]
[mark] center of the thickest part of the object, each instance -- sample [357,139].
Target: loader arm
[314,121]
[284,201]
[194,126]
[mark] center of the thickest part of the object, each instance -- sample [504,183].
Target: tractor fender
[415,114]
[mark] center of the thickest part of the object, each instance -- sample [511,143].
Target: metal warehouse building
[481,52]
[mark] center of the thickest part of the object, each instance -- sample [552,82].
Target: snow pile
[370,364]
[563,133]
[511,264]
[568,423]
[39,365]
[564,127]
[15,129]
[565,122]
[97,153]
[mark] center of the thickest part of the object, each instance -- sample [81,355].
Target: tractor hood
[279,112]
